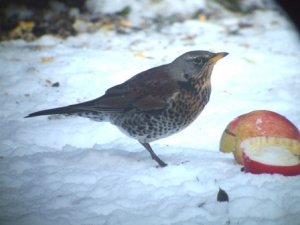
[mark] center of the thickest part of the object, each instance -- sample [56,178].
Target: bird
[155,103]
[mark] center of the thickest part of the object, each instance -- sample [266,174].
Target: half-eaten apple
[259,123]
[271,155]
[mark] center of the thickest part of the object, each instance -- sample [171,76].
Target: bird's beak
[217,56]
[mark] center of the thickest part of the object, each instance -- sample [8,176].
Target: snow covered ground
[57,170]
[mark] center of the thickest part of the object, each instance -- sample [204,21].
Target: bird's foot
[160,162]
[154,156]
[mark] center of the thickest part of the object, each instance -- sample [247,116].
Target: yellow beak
[217,56]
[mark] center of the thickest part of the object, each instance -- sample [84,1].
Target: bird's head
[195,64]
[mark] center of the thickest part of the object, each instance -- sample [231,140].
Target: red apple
[271,155]
[255,124]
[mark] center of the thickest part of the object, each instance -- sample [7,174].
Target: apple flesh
[260,123]
[228,139]
[271,155]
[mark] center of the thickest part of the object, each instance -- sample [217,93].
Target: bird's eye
[198,60]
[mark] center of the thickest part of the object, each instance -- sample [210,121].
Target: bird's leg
[153,155]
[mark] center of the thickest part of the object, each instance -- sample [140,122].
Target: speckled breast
[153,125]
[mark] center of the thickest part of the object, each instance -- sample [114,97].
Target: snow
[59,170]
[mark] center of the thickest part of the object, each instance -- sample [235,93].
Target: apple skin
[254,124]
[228,139]
[256,167]
[271,155]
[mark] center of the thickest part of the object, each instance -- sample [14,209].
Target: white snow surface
[69,170]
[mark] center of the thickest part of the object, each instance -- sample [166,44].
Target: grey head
[194,64]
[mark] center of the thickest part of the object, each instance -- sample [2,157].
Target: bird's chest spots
[192,98]
[182,109]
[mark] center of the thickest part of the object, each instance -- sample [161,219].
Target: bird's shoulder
[155,81]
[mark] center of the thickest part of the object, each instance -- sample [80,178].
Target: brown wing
[149,90]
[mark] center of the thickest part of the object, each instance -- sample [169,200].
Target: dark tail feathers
[71,109]
[61,110]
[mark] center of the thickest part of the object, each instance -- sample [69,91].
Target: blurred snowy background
[56,170]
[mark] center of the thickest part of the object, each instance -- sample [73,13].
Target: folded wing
[147,91]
